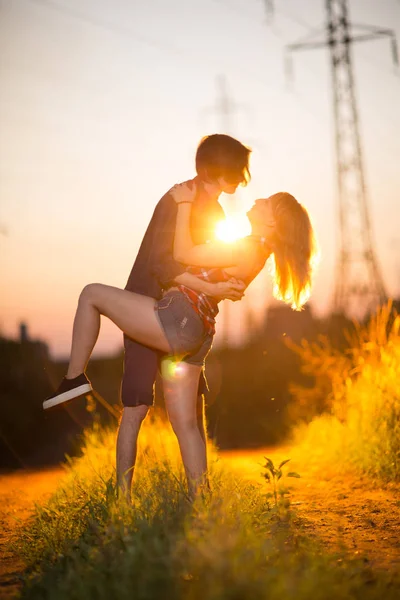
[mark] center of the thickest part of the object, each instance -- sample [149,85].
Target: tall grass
[361,390]
[230,545]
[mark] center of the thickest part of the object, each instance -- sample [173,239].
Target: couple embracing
[167,310]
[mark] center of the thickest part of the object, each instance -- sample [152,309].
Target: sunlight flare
[233,228]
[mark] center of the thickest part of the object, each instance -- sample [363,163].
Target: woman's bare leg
[180,393]
[132,313]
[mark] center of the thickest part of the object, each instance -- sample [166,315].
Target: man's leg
[201,418]
[200,408]
[129,427]
[140,368]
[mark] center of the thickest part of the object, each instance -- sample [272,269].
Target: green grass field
[234,544]
[238,542]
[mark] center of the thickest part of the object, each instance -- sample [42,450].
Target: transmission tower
[359,285]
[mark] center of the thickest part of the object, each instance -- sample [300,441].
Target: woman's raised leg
[180,394]
[133,313]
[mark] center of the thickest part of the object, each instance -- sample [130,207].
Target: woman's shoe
[68,390]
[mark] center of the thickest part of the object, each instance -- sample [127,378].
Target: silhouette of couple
[167,310]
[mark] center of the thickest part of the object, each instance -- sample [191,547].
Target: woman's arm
[213,254]
[232,289]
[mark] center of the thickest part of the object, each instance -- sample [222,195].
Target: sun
[232,228]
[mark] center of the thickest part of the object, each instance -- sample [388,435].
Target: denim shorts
[183,327]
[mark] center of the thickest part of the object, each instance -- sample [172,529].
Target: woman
[182,323]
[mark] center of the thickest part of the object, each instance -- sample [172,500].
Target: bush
[362,398]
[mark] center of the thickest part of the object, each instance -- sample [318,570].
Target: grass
[235,544]
[361,429]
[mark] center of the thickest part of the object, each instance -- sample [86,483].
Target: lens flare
[172,369]
[233,228]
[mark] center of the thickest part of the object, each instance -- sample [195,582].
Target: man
[222,164]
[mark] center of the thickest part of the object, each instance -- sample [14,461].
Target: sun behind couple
[280,228]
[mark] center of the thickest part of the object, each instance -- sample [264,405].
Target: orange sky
[101,110]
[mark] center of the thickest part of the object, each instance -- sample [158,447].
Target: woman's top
[207,306]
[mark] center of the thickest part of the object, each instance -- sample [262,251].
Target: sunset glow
[93,133]
[233,228]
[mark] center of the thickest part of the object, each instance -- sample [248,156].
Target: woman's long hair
[294,248]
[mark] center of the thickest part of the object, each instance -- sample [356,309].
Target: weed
[279,493]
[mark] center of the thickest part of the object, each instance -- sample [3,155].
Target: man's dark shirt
[155,268]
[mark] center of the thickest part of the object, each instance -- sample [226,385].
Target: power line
[111,27]
[311,32]
[183,53]
[271,9]
[291,16]
[129,34]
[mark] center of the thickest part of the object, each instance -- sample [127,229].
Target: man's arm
[185,250]
[164,266]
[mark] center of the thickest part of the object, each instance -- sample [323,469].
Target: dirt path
[339,510]
[19,491]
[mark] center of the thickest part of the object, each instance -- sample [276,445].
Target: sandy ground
[338,510]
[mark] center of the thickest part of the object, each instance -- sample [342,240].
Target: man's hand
[233,289]
[184,192]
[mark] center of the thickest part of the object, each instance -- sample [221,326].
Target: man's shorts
[189,342]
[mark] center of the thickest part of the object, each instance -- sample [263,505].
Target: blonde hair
[295,252]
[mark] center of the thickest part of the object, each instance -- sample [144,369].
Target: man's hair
[220,155]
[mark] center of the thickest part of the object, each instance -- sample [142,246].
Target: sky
[102,106]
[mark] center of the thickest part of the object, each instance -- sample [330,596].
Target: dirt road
[19,491]
[339,510]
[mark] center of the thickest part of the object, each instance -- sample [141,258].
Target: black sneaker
[68,390]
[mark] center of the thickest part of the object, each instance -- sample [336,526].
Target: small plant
[273,475]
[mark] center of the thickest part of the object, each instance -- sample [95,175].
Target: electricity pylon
[359,285]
